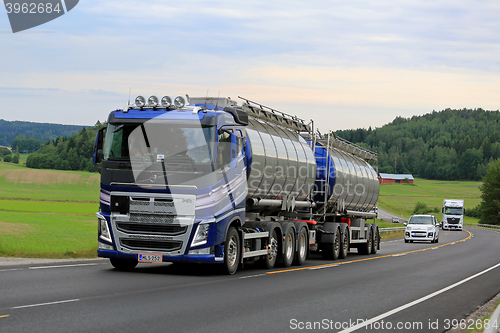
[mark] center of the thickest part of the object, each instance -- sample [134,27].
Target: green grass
[47,236]
[400,199]
[47,213]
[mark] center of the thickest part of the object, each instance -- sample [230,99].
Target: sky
[344,64]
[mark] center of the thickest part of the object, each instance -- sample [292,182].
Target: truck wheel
[232,251]
[344,244]
[366,248]
[331,251]
[303,243]
[289,247]
[375,236]
[123,264]
[272,250]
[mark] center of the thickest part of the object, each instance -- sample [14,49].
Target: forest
[446,145]
[33,134]
[67,153]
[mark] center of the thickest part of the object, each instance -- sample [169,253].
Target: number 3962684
[32,8]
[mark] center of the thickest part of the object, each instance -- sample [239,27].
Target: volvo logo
[153,178]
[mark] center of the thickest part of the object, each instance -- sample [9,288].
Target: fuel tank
[345,178]
[281,163]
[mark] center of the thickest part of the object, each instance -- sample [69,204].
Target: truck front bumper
[198,258]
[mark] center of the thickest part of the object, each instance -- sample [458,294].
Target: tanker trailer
[243,184]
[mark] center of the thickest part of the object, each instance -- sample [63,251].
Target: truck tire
[302,247]
[123,264]
[331,251]
[289,246]
[232,251]
[344,244]
[366,248]
[272,250]
[375,237]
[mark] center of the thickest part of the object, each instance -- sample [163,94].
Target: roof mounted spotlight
[140,101]
[166,101]
[179,102]
[153,101]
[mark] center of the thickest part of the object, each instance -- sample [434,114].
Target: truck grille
[155,245]
[143,218]
[453,220]
[153,222]
[158,229]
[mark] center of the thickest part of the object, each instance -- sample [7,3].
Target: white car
[422,228]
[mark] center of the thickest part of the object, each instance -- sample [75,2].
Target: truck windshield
[160,141]
[420,220]
[453,211]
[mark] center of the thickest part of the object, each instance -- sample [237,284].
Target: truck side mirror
[98,148]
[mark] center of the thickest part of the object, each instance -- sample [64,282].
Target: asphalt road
[420,286]
[386,216]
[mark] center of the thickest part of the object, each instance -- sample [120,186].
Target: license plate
[149,257]
[452,228]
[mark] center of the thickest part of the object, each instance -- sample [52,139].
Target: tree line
[67,153]
[36,132]
[446,145]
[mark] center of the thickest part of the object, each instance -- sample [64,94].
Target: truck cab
[453,214]
[172,181]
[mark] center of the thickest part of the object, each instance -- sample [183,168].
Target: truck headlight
[201,235]
[103,232]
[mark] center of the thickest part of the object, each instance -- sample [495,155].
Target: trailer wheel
[344,244]
[123,264]
[303,243]
[272,251]
[366,248]
[289,247]
[332,250]
[232,251]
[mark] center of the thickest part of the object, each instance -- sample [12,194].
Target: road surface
[421,286]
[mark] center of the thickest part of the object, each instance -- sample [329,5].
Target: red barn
[388,178]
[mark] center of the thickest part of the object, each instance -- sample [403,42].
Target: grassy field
[47,213]
[400,199]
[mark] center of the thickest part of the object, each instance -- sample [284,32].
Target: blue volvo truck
[208,180]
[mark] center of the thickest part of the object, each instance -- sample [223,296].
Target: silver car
[422,228]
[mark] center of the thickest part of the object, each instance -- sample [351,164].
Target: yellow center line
[371,258]
[4,316]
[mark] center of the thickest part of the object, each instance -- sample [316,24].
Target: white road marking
[11,269]
[61,266]
[42,304]
[420,300]
[251,276]
[334,265]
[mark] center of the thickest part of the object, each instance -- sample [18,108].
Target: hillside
[445,145]
[9,130]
